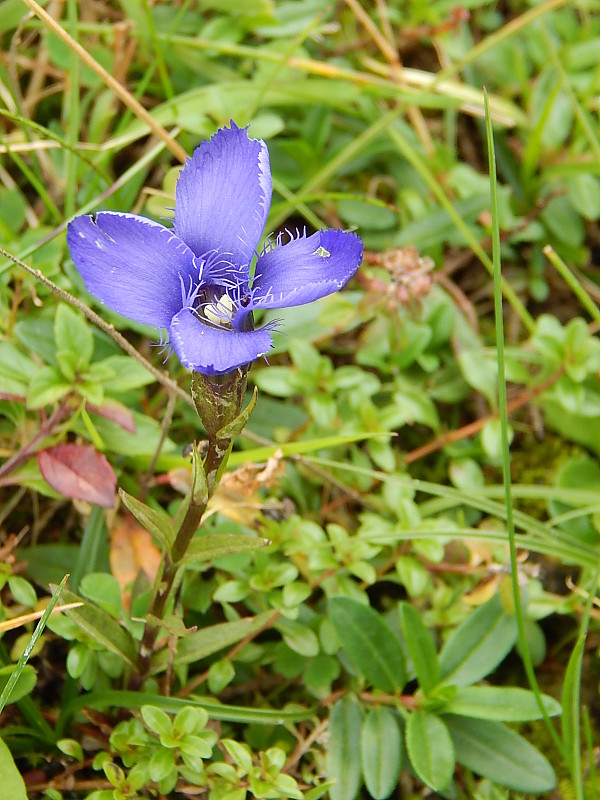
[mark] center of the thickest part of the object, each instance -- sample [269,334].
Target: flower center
[214,308]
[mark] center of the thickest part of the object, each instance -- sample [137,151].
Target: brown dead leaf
[132,550]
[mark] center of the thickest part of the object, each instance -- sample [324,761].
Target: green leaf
[421,647]
[480,371]
[74,341]
[430,749]
[571,700]
[506,704]
[297,448]
[369,642]
[24,685]
[128,374]
[343,752]
[380,752]
[46,388]
[102,628]
[13,785]
[15,368]
[298,637]
[478,645]
[208,546]
[210,640]
[494,751]
[216,710]
[103,589]
[156,719]
[157,523]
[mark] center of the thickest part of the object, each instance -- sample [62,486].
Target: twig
[474,427]
[117,337]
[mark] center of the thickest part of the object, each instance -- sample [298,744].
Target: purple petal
[214,350]
[223,195]
[306,268]
[133,265]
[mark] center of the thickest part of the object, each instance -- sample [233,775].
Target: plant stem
[219,402]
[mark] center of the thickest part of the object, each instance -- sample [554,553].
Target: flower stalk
[219,402]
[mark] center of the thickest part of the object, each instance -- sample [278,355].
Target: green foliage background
[367,611]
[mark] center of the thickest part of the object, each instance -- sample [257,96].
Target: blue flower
[194,280]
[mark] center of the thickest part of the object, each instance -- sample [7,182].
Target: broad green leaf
[430,749]
[505,704]
[74,341]
[157,523]
[298,637]
[47,387]
[104,590]
[128,374]
[369,642]
[478,645]
[421,647]
[15,367]
[24,685]
[343,752]
[210,640]
[102,628]
[208,546]
[156,719]
[494,751]
[13,785]
[480,371]
[380,752]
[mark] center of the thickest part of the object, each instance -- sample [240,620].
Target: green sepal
[157,523]
[199,495]
[237,425]
[219,398]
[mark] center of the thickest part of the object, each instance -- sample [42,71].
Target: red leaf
[80,472]
[115,412]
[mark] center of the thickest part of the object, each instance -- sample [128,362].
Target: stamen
[221,312]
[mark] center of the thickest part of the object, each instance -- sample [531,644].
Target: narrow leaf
[343,752]
[102,628]
[369,642]
[421,647]
[157,523]
[478,645]
[209,546]
[508,704]
[494,751]
[210,640]
[380,752]
[13,678]
[430,749]
[80,472]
